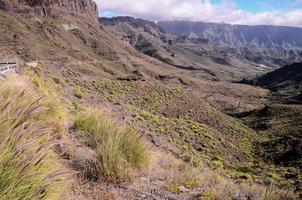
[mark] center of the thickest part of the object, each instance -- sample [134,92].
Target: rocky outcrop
[269,46]
[219,54]
[85,8]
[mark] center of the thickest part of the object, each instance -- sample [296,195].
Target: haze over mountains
[226,52]
[271,46]
[261,36]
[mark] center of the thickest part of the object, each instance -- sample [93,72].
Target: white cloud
[199,10]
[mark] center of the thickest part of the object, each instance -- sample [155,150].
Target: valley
[125,108]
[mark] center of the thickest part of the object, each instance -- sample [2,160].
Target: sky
[251,12]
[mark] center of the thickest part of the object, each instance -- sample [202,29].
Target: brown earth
[181,117]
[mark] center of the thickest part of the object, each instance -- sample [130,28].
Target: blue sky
[266,5]
[109,13]
[251,12]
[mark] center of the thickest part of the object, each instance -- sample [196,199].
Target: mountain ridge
[195,145]
[85,8]
[206,30]
[206,60]
[271,46]
[286,83]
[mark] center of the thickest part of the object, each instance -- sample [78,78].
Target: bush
[274,193]
[78,93]
[217,164]
[25,160]
[118,149]
[185,176]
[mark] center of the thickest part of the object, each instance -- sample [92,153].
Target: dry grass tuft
[119,150]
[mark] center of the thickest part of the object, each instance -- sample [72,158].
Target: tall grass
[26,167]
[118,149]
[274,193]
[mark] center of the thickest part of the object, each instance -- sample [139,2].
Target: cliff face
[215,56]
[262,36]
[86,8]
[267,46]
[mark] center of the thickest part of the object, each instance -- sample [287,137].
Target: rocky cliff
[268,46]
[212,57]
[85,8]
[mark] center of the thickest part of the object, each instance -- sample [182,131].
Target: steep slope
[268,46]
[85,8]
[286,82]
[69,45]
[149,39]
[280,128]
[83,65]
[279,123]
[199,57]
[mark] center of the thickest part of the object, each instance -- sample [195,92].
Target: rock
[69,27]
[183,189]
[144,179]
[32,64]
[85,8]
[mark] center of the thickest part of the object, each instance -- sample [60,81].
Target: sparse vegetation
[218,155]
[118,149]
[185,177]
[273,193]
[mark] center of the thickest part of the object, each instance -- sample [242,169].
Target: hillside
[285,82]
[199,57]
[270,47]
[119,124]
[279,122]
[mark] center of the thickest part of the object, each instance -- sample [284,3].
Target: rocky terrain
[284,82]
[126,123]
[85,8]
[212,51]
[203,59]
[268,46]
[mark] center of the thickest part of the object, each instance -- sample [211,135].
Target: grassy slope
[280,129]
[80,65]
[29,127]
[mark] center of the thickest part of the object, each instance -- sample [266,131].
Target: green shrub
[78,93]
[185,176]
[217,164]
[57,80]
[26,161]
[119,150]
[239,175]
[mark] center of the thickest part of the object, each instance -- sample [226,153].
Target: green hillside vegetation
[118,149]
[96,119]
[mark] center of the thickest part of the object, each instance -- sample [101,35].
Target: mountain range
[274,46]
[125,108]
[214,51]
